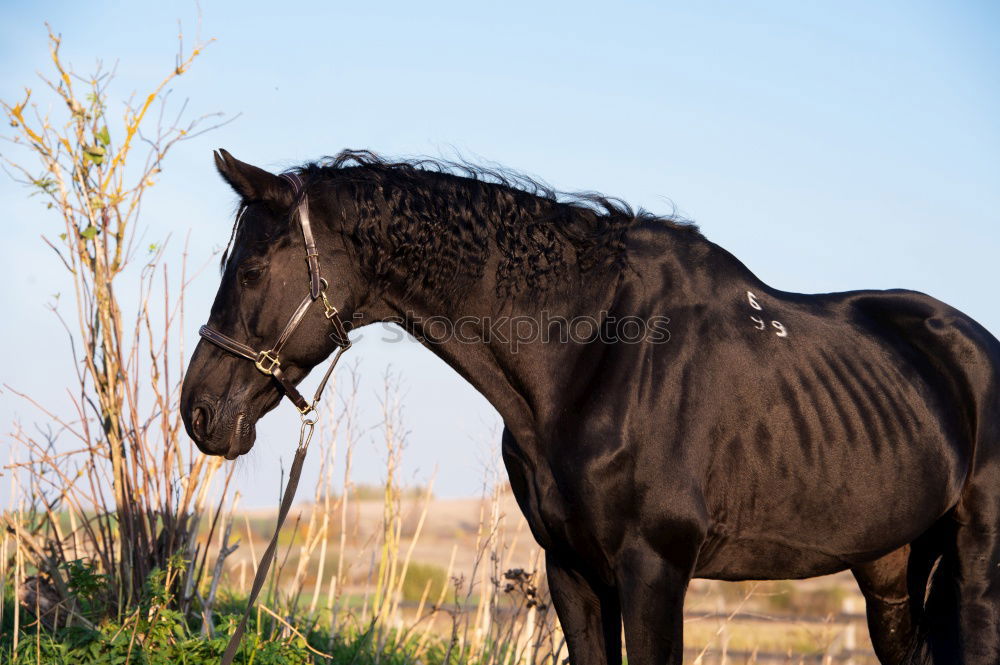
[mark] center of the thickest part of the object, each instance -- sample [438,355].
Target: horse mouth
[242,439]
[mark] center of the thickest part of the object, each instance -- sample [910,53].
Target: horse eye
[251,275]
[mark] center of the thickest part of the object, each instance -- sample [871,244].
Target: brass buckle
[266,362]
[329,311]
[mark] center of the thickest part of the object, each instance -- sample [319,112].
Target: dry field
[812,621]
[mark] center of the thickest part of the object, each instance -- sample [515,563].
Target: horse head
[263,310]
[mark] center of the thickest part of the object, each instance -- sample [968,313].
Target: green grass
[155,635]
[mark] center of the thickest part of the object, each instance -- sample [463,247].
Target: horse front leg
[652,588]
[590,616]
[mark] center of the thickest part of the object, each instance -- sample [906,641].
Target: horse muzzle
[220,430]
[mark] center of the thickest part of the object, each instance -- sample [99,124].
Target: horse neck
[497,344]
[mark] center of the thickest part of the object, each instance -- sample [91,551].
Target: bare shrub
[114,481]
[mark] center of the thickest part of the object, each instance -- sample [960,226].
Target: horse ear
[253,183]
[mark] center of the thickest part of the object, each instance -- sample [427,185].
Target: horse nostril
[201,423]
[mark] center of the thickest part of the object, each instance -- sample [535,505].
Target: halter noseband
[268,361]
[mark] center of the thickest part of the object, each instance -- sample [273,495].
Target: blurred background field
[818,620]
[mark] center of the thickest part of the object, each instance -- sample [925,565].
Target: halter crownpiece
[312,256]
[268,361]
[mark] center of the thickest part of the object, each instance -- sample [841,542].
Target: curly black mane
[436,223]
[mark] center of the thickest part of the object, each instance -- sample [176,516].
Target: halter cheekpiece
[268,361]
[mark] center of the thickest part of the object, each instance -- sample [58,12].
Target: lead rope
[309,419]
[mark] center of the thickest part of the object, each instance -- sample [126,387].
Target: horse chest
[553,522]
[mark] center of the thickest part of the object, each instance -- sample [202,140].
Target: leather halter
[268,361]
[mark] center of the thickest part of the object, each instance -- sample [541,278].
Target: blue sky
[829,146]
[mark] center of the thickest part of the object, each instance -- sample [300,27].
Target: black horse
[758,434]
